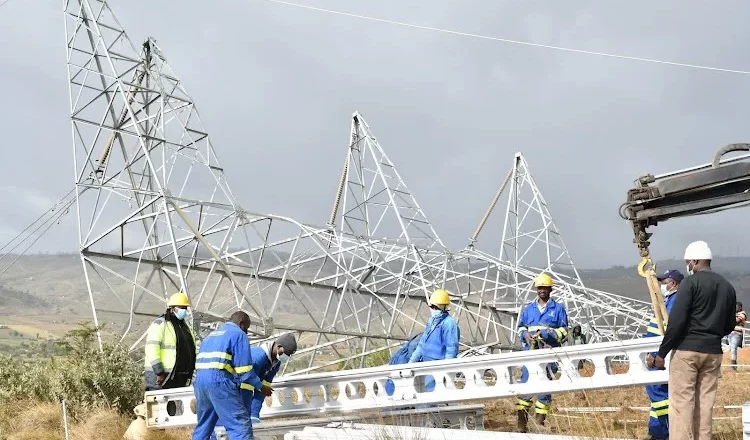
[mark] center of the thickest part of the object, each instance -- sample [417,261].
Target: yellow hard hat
[543,280]
[178,299]
[440,298]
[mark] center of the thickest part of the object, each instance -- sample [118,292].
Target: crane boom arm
[699,190]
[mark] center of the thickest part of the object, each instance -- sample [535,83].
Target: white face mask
[664,290]
[436,312]
[689,270]
[180,314]
[283,358]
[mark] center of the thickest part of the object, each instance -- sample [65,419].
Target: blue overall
[439,341]
[658,421]
[266,371]
[224,360]
[552,323]
[402,356]
[253,399]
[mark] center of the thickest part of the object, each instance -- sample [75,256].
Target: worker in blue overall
[223,361]
[543,323]
[402,356]
[440,338]
[267,359]
[658,421]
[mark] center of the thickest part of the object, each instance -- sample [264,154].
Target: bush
[85,376]
[376,359]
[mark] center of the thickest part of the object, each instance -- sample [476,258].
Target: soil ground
[734,390]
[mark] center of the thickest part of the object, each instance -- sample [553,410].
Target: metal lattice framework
[530,244]
[156,215]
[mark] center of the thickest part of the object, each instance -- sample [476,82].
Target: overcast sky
[276,86]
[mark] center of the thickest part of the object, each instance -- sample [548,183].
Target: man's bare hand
[528,338]
[266,390]
[160,378]
[659,362]
[649,361]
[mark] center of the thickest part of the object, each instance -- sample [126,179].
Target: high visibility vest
[161,346]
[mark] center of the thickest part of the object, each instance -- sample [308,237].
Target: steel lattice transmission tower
[156,216]
[531,243]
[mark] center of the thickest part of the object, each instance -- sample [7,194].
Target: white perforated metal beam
[457,380]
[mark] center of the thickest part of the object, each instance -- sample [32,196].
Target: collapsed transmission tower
[530,244]
[156,215]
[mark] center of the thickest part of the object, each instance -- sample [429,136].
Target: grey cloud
[276,85]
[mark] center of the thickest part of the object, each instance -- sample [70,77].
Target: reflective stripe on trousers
[217,396]
[540,407]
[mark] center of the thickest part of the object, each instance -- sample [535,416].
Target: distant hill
[44,285]
[15,301]
[624,280]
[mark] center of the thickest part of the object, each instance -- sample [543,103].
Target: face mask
[436,313]
[664,290]
[180,314]
[283,358]
[689,270]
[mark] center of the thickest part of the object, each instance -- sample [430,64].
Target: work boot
[734,364]
[540,418]
[523,420]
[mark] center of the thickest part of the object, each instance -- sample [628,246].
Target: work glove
[529,339]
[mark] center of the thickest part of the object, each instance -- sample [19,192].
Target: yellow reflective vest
[161,346]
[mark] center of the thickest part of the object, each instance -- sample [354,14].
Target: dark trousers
[177,380]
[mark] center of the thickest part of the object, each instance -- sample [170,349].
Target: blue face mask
[436,313]
[283,358]
[180,314]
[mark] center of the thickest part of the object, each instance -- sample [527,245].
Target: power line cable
[506,40]
[62,201]
[51,222]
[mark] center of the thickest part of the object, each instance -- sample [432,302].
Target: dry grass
[626,423]
[33,421]
[98,423]
[27,421]
[43,421]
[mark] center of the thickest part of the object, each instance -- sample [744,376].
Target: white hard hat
[698,250]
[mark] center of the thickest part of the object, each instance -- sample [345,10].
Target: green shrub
[376,359]
[85,376]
